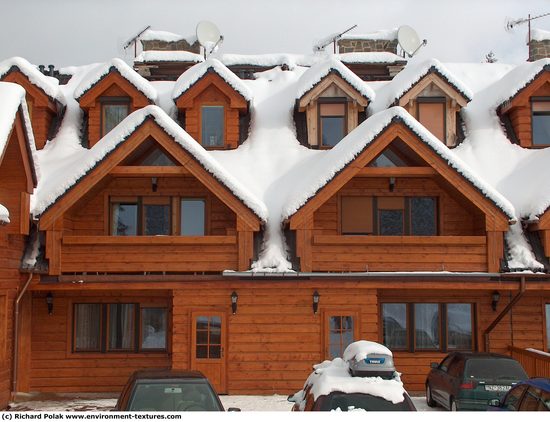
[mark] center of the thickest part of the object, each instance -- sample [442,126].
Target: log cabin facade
[155,252]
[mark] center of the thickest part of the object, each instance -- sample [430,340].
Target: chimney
[167,41]
[374,42]
[51,68]
[42,68]
[539,45]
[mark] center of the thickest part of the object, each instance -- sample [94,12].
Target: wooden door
[208,344]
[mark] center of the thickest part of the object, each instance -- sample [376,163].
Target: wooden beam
[149,240]
[146,171]
[397,172]
[398,240]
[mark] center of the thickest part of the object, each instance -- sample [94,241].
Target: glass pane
[347,323]
[215,322]
[172,396]
[423,217]
[121,326]
[202,352]
[202,323]
[202,337]
[153,328]
[335,351]
[215,337]
[157,219]
[214,352]
[157,158]
[212,126]
[547,309]
[335,322]
[192,217]
[332,129]
[391,222]
[124,221]
[426,324]
[541,128]
[113,114]
[394,316]
[459,326]
[87,327]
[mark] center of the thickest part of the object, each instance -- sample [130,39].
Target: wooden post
[495,250]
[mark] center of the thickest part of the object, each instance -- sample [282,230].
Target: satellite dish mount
[209,36]
[409,41]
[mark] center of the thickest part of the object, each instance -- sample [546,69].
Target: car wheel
[452,405]
[429,399]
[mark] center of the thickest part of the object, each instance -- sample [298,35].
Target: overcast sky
[76,32]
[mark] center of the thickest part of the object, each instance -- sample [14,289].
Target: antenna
[209,36]
[133,40]
[510,23]
[332,39]
[409,41]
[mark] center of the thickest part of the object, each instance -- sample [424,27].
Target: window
[514,397]
[212,123]
[341,333]
[114,327]
[157,157]
[112,113]
[428,326]
[540,121]
[208,337]
[152,216]
[431,113]
[332,123]
[388,216]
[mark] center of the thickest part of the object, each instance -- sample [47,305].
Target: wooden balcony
[399,253]
[535,364]
[127,254]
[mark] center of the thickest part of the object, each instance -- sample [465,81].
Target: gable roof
[316,73]
[84,163]
[49,85]
[197,72]
[99,72]
[405,80]
[360,139]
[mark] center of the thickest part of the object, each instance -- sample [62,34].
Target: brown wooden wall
[53,366]
[213,96]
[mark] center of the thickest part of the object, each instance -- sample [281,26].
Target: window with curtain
[540,117]
[426,323]
[394,318]
[332,117]
[124,220]
[87,331]
[153,328]
[193,217]
[212,124]
[340,334]
[112,114]
[121,326]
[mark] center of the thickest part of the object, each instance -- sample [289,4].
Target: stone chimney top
[539,45]
[373,42]
[168,41]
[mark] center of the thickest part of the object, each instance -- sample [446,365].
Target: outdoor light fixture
[49,302]
[315,301]
[496,297]
[392,184]
[154,185]
[234,299]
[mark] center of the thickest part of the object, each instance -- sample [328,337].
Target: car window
[511,402]
[444,365]
[346,402]
[544,403]
[172,396]
[530,400]
[456,368]
[499,370]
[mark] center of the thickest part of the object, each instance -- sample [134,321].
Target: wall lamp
[234,299]
[316,297]
[49,302]
[392,184]
[495,298]
[154,184]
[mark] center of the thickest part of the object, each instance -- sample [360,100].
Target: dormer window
[332,126]
[431,113]
[212,126]
[113,111]
[540,108]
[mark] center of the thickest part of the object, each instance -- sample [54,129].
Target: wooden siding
[535,364]
[53,365]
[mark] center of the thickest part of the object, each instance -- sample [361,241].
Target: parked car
[168,391]
[469,380]
[365,379]
[529,395]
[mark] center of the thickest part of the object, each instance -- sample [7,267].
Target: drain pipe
[503,313]
[15,359]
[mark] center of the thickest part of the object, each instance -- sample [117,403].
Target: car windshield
[494,370]
[173,396]
[347,402]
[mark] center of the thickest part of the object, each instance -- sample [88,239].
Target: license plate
[497,387]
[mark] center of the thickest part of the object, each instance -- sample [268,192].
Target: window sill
[149,240]
[117,355]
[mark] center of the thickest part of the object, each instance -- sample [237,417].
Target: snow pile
[317,72]
[267,60]
[359,350]
[4,215]
[383,34]
[370,57]
[98,72]
[153,35]
[168,56]
[192,75]
[539,34]
[46,83]
[83,162]
[408,78]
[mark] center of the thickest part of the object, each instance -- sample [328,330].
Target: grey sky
[76,32]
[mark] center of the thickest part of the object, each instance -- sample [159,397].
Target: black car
[469,380]
[168,391]
[530,395]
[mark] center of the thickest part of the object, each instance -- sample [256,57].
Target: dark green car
[469,380]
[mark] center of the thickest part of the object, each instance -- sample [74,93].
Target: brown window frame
[434,100]
[105,101]
[330,100]
[140,336]
[327,314]
[200,140]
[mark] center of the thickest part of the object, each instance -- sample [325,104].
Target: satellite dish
[208,35]
[409,41]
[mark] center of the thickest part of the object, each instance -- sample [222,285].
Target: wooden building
[251,261]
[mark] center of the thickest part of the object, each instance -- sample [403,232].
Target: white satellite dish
[209,36]
[409,41]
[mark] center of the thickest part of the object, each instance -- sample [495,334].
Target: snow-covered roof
[406,79]
[267,60]
[168,56]
[383,34]
[97,73]
[48,84]
[334,161]
[86,160]
[4,215]
[381,57]
[195,73]
[319,71]
[539,34]
[154,35]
